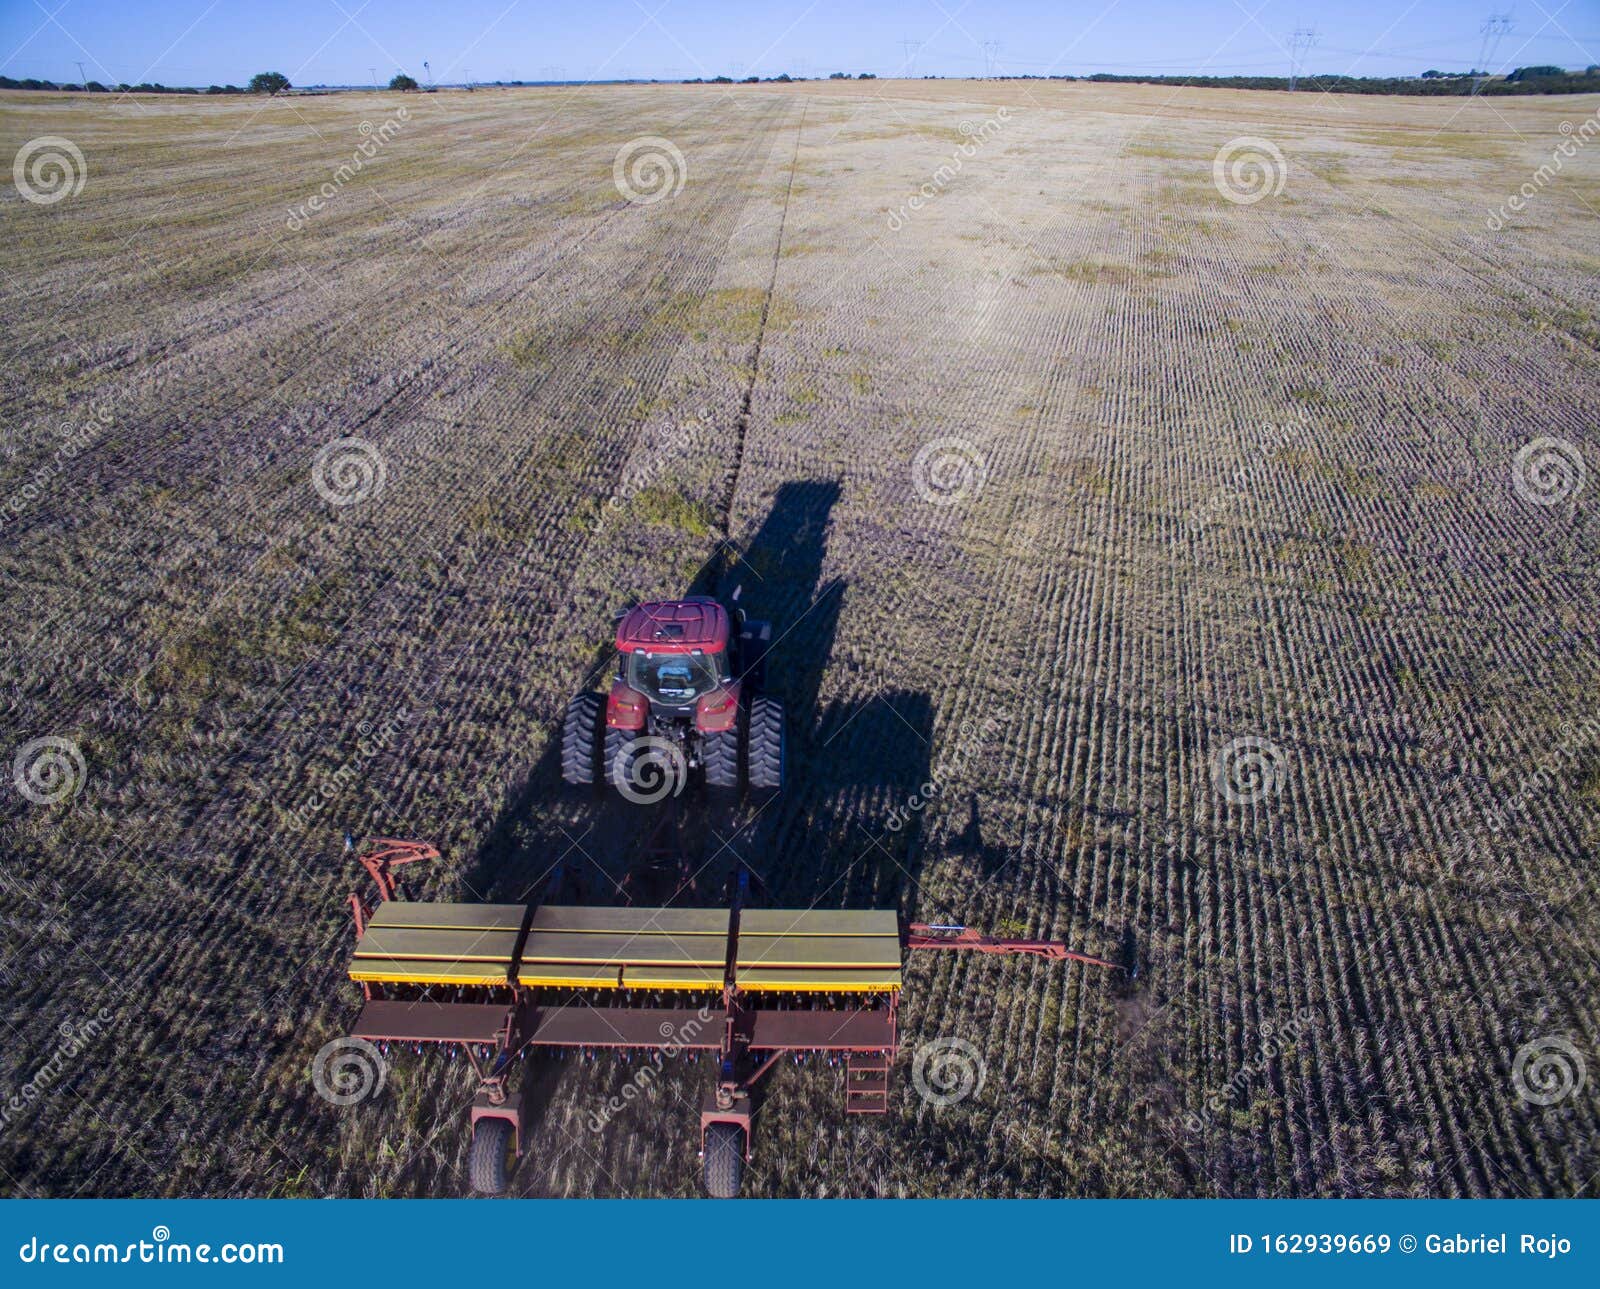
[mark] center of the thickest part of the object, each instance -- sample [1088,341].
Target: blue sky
[198,42]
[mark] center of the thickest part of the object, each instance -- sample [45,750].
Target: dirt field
[1228,568]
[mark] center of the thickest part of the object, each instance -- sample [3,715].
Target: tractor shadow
[833,838]
[559,845]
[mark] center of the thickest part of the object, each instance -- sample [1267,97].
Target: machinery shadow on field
[547,844]
[852,837]
[831,839]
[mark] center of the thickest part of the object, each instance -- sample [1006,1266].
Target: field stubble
[1220,627]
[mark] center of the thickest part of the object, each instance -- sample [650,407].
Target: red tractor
[687,696]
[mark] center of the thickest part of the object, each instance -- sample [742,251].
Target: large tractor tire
[580,740]
[617,762]
[720,753]
[489,1158]
[724,1160]
[767,750]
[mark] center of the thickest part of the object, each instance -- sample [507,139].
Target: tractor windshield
[676,677]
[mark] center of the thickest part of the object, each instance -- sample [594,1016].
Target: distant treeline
[1525,80]
[95,87]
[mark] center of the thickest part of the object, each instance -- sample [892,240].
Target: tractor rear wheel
[720,752]
[489,1158]
[580,740]
[618,762]
[766,747]
[724,1160]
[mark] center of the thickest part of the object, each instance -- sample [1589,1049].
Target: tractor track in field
[742,425]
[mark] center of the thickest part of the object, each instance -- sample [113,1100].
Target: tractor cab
[675,651]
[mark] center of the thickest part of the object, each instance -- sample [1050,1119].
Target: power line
[911,47]
[991,56]
[1300,41]
[1494,28]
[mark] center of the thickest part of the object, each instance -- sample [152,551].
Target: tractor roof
[674,626]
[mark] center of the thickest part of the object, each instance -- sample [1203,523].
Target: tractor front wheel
[580,740]
[724,1160]
[489,1159]
[766,747]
